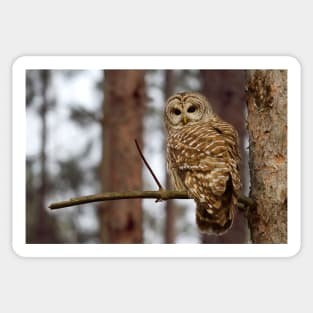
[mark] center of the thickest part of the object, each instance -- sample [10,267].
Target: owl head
[186,108]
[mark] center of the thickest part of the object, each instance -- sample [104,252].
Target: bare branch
[158,195]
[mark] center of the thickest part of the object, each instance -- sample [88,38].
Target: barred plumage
[203,158]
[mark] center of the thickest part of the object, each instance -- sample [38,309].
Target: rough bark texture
[170,209]
[225,91]
[121,167]
[267,126]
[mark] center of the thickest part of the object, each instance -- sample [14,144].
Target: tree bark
[225,91]
[267,126]
[170,209]
[121,167]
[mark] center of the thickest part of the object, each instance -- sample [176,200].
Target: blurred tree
[44,228]
[31,203]
[170,209]
[225,89]
[267,126]
[73,171]
[121,167]
[31,183]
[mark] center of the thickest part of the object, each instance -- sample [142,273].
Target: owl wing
[205,157]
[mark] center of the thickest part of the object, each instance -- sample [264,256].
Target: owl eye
[191,109]
[176,111]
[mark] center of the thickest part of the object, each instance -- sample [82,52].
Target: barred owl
[203,158]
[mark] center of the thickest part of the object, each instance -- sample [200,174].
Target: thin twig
[148,166]
[161,194]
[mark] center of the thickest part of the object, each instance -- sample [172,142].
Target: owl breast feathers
[203,159]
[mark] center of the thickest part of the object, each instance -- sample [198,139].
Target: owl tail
[217,219]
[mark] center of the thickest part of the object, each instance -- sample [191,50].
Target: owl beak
[185,119]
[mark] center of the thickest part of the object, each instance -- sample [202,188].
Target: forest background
[81,127]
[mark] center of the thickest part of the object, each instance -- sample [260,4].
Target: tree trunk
[267,126]
[121,166]
[43,227]
[170,209]
[225,89]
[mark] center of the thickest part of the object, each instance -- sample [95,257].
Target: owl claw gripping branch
[203,158]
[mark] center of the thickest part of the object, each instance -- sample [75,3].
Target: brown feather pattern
[203,159]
